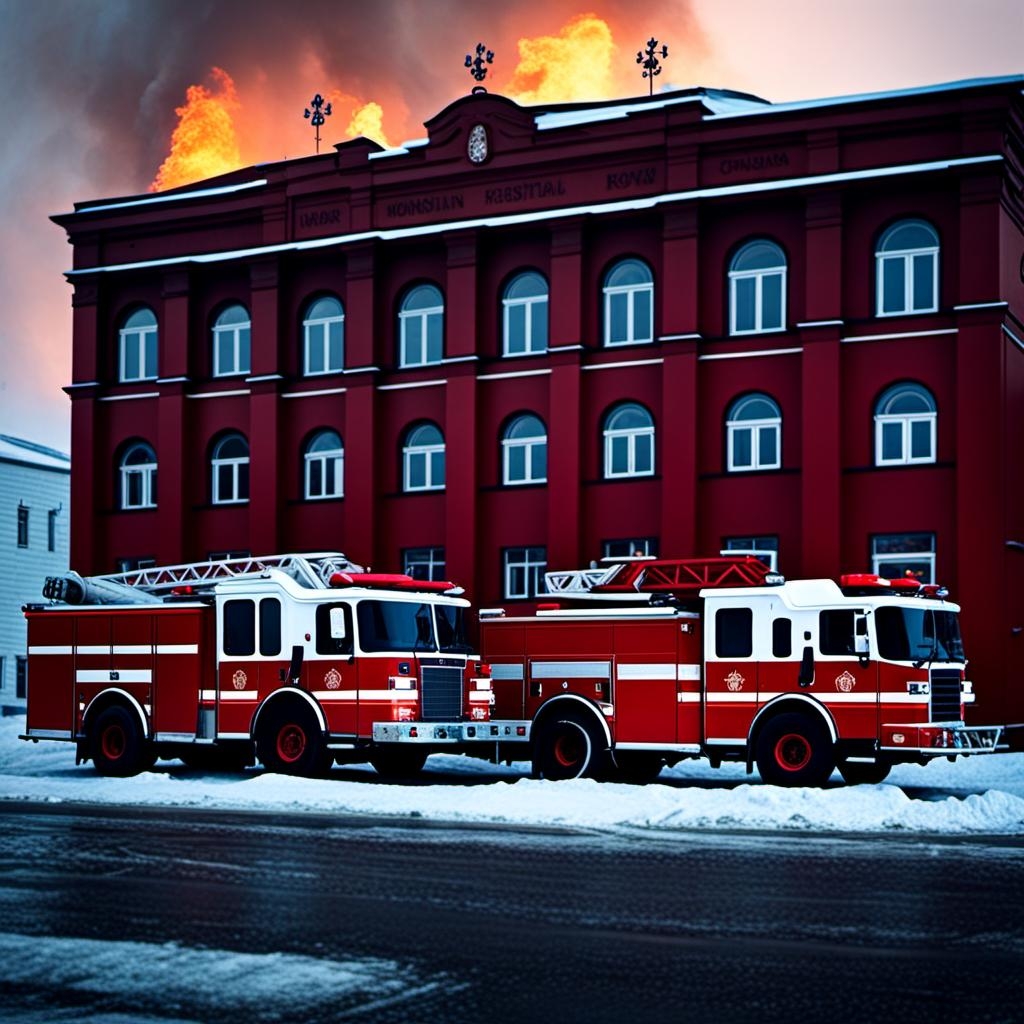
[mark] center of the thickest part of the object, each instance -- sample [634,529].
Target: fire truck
[642,663]
[300,660]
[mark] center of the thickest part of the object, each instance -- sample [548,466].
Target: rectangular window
[782,638]
[333,629]
[734,633]
[910,555]
[51,530]
[240,627]
[21,678]
[395,626]
[835,632]
[424,563]
[228,556]
[631,547]
[22,526]
[270,627]
[764,547]
[524,572]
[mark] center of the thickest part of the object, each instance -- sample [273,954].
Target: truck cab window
[835,629]
[734,633]
[327,642]
[395,626]
[240,628]
[270,627]
[782,638]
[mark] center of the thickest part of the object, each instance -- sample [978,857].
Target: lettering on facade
[320,219]
[524,192]
[425,205]
[752,162]
[619,180]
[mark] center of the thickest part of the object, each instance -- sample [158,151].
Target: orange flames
[579,63]
[203,143]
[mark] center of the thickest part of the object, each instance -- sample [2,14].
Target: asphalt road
[112,916]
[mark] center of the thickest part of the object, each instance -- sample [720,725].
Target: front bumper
[940,739]
[451,733]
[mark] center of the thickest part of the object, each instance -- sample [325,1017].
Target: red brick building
[540,335]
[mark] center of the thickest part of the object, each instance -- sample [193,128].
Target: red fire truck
[300,659]
[723,659]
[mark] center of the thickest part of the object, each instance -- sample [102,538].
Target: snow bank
[972,796]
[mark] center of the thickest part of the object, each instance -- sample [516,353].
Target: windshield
[918,634]
[395,626]
[451,628]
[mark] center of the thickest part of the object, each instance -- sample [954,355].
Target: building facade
[537,336]
[35,498]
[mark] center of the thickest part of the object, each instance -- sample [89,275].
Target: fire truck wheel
[117,745]
[567,746]
[863,773]
[291,743]
[398,764]
[795,750]
[637,767]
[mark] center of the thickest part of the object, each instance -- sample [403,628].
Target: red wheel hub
[792,752]
[291,742]
[568,750]
[113,742]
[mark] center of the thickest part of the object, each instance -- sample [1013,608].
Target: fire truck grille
[442,693]
[945,695]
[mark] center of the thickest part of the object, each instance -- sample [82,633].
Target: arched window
[421,326]
[230,470]
[423,459]
[628,304]
[754,434]
[324,466]
[757,288]
[231,342]
[525,314]
[628,441]
[905,420]
[907,269]
[138,476]
[137,358]
[525,451]
[323,332]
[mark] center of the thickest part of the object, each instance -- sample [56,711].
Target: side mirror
[806,677]
[861,644]
[338,631]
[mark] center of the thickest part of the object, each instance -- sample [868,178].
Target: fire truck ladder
[637,579]
[150,586]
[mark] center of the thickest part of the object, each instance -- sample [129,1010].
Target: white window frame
[235,333]
[749,546]
[882,256]
[425,452]
[431,557]
[630,434]
[146,472]
[323,457]
[234,463]
[527,303]
[405,317]
[533,562]
[322,324]
[906,421]
[880,561]
[759,276]
[138,336]
[630,291]
[733,427]
[529,446]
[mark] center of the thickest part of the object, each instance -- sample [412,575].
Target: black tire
[291,742]
[864,773]
[637,767]
[795,750]
[117,745]
[398,763]
[569,745]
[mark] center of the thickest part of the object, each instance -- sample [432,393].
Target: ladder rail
[659,575]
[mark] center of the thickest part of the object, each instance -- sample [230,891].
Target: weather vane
[649,59]
[317,114]
[476,66]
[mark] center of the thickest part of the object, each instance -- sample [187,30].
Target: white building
[34,502]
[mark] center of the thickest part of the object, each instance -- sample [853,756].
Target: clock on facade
[476,148]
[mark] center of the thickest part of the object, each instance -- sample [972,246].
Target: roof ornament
[317,115]
[649,59]
[476,65]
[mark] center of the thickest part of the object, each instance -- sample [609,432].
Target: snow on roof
[716,99]
[199,193]
[17,449]
[398,150]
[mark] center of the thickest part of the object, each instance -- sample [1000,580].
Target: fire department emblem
[846,682]
[734,681]
[333,679]
[239,679]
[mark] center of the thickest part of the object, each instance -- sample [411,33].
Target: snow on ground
[970,796]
